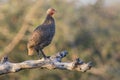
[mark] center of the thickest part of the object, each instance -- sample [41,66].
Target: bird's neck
[48,20]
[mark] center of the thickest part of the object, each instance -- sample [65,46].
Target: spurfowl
[42,35]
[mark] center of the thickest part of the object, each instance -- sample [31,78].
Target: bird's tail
[30,51]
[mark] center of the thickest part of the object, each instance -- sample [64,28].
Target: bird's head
[51,11]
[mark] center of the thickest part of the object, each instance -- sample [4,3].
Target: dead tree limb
[53,62]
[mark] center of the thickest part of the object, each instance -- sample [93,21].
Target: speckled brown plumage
[42,35]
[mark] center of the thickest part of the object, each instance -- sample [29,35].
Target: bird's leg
[43,53]
[38,53]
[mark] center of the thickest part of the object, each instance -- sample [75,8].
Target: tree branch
[53,62]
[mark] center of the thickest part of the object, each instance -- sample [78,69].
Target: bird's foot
[46,57]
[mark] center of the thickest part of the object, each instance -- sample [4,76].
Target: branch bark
[53,62]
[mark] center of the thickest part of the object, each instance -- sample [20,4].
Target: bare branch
[53,62]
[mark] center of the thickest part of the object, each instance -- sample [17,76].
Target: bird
[42,35]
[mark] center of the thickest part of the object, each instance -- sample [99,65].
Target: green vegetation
[91,32]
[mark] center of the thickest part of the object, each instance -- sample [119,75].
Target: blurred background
[88,29]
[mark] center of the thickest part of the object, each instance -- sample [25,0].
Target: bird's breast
[48,32]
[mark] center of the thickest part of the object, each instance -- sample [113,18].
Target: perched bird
[42,35]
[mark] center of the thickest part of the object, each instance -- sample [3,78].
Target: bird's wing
[35,38]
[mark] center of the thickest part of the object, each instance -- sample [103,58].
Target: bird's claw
[46,57]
